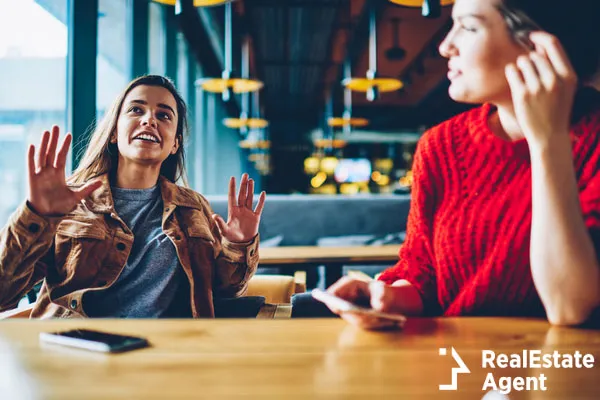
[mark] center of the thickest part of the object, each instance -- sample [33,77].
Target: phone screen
[94,340]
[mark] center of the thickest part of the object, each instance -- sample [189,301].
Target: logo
[461,369]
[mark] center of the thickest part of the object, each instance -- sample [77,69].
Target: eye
[468,28]
[135,109]
[164,115]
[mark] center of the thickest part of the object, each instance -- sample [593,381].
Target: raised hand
[543,85]
[48,190]
[242,222]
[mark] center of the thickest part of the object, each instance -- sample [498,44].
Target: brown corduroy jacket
[87,249]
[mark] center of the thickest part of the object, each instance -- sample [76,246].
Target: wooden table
[295,359]
[332,257]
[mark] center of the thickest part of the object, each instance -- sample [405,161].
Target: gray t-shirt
[153,283]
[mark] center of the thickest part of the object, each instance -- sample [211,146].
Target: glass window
[33,50]
[156,40]
[112,74]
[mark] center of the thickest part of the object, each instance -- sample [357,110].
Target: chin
[463,95]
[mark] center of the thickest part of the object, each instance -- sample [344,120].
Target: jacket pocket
[80,250]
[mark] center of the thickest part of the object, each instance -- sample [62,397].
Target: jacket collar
[101,200]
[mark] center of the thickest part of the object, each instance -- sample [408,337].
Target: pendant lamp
[372,85]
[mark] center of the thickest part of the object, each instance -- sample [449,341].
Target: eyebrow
[161,105]
[476,16]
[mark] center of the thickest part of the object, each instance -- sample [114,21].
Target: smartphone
[346,306]
[94,340]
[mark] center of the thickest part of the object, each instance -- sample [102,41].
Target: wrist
[550,145]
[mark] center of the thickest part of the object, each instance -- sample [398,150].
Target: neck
[136,176]
[504,123]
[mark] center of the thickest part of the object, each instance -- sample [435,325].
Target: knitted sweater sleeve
[416,260]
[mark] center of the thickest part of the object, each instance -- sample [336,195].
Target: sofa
[320,220]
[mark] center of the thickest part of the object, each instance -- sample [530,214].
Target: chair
[277,289]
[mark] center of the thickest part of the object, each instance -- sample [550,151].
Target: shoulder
[455,126]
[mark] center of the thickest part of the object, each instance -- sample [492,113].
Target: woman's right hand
[48,190]
[381,297]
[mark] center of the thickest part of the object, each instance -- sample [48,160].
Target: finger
[61,157]
[220,223]
[530,74]
[515,81]
[87,189]
[41,159]
[231,196]
[53,143]
[555,52]
[243,193]
[250,197]
[31,161]
[261,203]
[350,289]
[382,298]
[545,71]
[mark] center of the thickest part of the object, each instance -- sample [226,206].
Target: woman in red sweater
[505,210]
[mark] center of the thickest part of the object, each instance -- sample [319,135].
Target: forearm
[24,241]
[235,266]
[563,260]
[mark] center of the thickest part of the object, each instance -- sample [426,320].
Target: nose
[149,120]
[447,48]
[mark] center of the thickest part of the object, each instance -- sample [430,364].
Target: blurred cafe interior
[322,102]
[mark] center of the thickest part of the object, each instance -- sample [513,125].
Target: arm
[413,278]
[237,239]
[27,240]
[26,251]
[564,263]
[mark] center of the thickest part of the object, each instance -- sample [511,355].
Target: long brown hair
[101,156]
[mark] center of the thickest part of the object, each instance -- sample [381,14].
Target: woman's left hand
[242,222]
[543,85]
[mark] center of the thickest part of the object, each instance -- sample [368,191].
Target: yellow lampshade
[328,165]
[218,85]
[338,122]
[197,3]
[418,3]
[330,143]
[365,84]
[311,165]
[255,144]
[252,123]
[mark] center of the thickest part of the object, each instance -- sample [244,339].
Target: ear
[175,145]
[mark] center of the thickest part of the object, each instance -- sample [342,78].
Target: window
[33,75]
[112,74]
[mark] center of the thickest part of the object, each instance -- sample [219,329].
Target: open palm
[242,221]
[48,190]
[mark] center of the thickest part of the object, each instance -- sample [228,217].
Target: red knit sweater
[468,233]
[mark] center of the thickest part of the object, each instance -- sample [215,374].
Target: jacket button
[120,246]
[73,304]
[251,252]
[34,228]
[167,209]
[177,237]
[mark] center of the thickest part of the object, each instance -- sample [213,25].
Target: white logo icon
[461,369]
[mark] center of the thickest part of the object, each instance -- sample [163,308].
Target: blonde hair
[101,156]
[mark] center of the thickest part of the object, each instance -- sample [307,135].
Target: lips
[147,136]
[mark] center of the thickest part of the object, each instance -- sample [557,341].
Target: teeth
[147,137]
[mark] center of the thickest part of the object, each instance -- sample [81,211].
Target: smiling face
[478,48]
[147,126]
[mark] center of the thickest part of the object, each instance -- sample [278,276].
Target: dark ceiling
[299,48]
